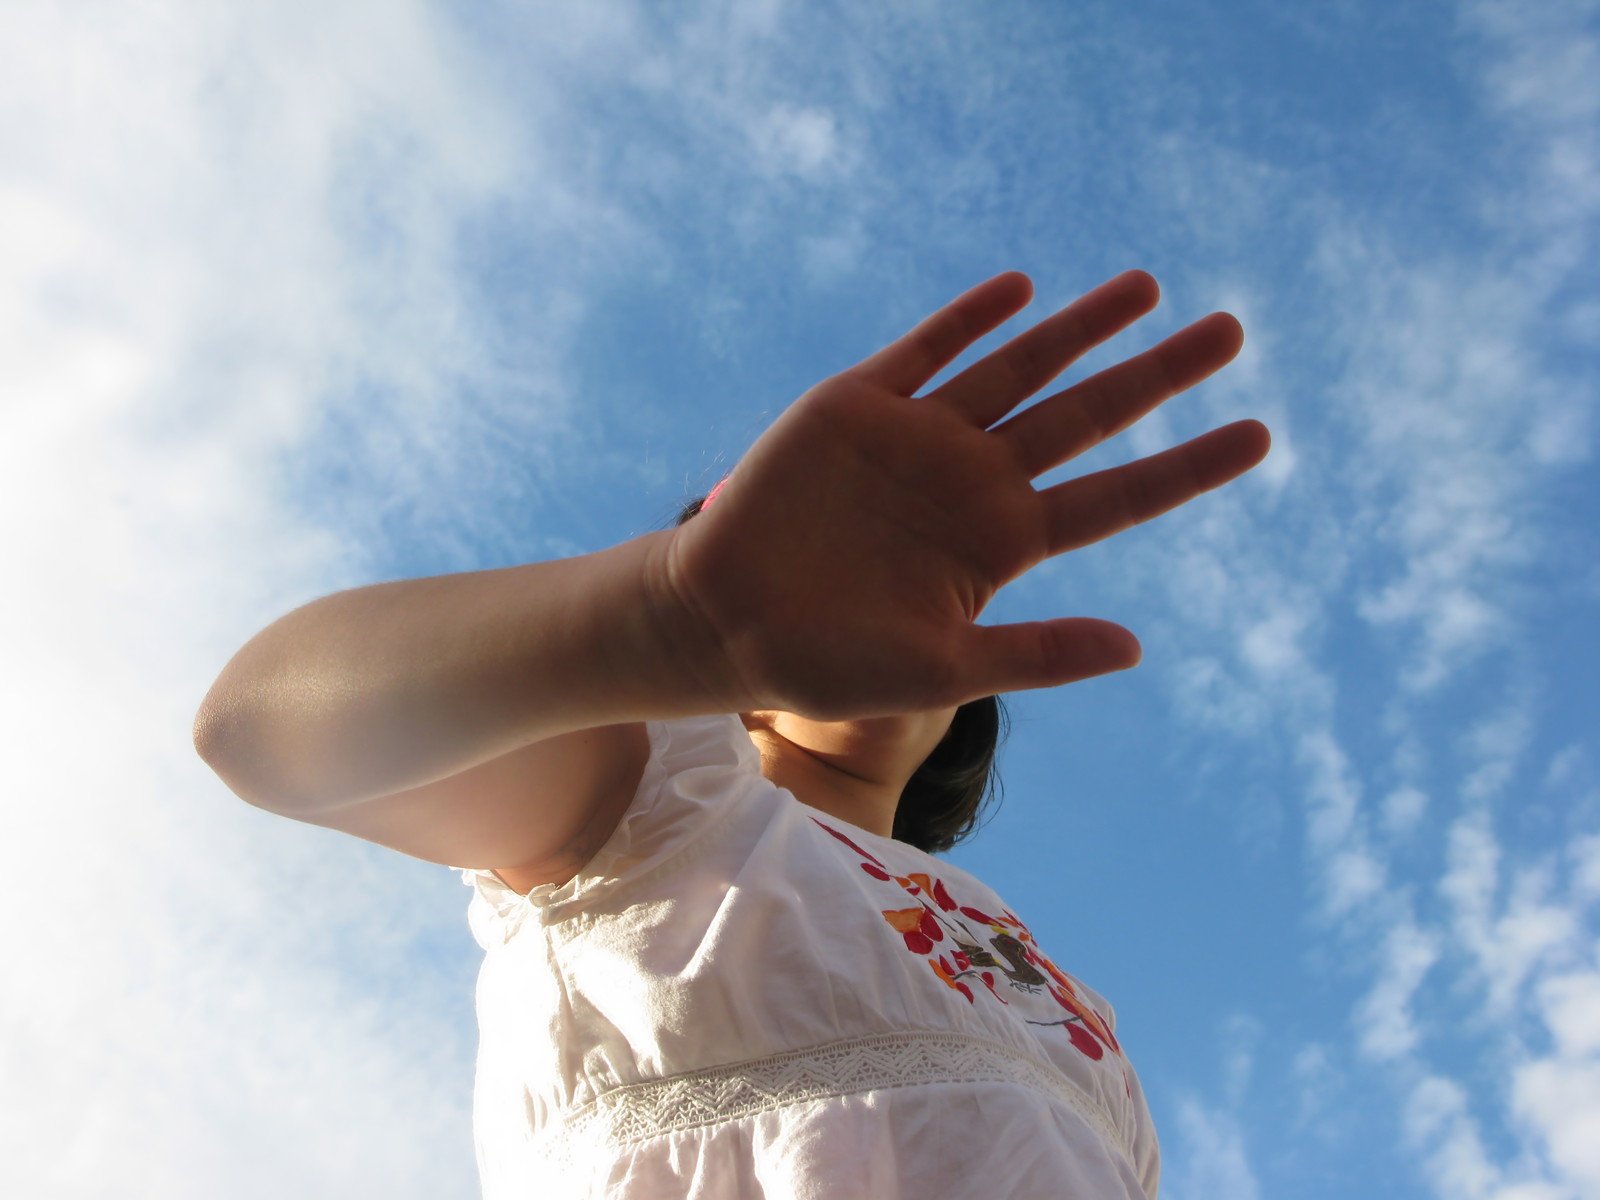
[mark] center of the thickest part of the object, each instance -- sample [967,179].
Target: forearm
[369,691]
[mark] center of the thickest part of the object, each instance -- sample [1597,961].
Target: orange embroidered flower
[920,883]
[917,925]
[922,928]
[944,971]
[1058,975]
[1091,1019]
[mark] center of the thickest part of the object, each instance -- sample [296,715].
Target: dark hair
[943,799]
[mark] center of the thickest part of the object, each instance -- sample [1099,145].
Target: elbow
[217,724]
[223,740]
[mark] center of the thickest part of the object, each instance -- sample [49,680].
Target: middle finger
[997,383]
[1063,426]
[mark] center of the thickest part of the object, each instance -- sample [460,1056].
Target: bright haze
[299,297]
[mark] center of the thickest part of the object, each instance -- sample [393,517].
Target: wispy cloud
[1556,1095]
[214,222]
[248,358]
[1319,1081]
[1436,1122]
[1460,410]
[1212,1159]
[1384,1019]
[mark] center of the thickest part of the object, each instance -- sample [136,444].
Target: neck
[852,770]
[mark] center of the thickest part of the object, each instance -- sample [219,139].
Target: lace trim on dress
[632,1113]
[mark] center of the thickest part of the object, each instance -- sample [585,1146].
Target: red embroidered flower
[922,929]
[943,971]
[848,842]
[917,925]
[1084,1041]
[988,982]
[1092,1021]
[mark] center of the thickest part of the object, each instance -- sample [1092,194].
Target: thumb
[1040,654]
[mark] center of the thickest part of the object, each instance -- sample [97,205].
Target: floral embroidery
[933,929]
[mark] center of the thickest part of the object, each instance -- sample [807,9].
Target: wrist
[679,640]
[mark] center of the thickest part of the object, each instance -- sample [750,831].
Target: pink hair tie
[712,494]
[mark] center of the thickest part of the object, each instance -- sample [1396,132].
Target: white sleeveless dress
[741,996]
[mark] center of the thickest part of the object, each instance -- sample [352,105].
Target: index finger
[907,363]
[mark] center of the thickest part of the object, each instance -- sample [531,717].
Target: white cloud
[1273,646]
[1571,1009]
[1457,409]
[1497,742]
[1566,766]
[1241,1035]
[1533,1190]
[1559,1100]
[1437,1122]
[215,222]
[802,141]
[1403,809]
[1211,695]
[1213,1163]
[1542,80]
[832,255]
[1449,362]
[1510,941]
[1333,794]
[1319,1080]
[1353,876]
[1384,1019]
[1585,855]
[1473,874]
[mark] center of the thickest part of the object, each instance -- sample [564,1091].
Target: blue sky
[298,300]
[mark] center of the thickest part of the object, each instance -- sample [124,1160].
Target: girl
[694,781]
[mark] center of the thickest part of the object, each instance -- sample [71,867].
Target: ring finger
[1003,379]
[1063,426]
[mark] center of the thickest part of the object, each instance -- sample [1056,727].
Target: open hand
[842,569]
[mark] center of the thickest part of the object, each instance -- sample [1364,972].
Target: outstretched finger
[907,363]
[997,383]
[1062,427]
[1093,507]
[1038,654]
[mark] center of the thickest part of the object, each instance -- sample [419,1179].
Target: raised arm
[840,574]
[369,691]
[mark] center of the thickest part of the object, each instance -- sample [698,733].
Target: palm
[844,565]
